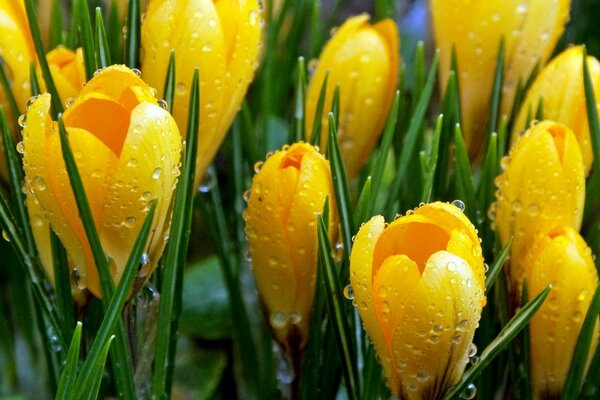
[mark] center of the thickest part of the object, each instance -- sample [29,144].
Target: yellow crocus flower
[127,150]
[542,186]
[560,85]
[561,258]
[363,60]
[222,39]
[68,72]
[530,29]
[419,287]
[287,192]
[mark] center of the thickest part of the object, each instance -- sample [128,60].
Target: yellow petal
[432,340]
[560,258]
[542,187]
[560,85]
[530,29]
[67,71]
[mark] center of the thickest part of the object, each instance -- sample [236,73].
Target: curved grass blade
[56,24]
[175,254]
[315,136]
[102,50]
[499,344]
[10,97]
[464,182]
[340,188]
[112,316]
[133,38]
[34,83]
[338,314]
[120,355]
[169,88]
[69,373]
[300,103]
[114,33]
[363,205]
[410,140]
[496,94]
[496,267]
[433,162]
[575,376]
[92,393]
[57,107]
[87,39]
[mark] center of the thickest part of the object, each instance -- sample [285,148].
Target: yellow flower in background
[287,192]
[542,186]
[560,85]
[419,285]
[16,50]
[363,60]
[68,71]
[530,29]
[127,150]
[222,39]
[561,258]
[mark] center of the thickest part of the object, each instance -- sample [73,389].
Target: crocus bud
[68,73]
[563,259]
[127,150]
[419,287]
[560,86]
[222,39]
[542,186]
[363,60]
[16,50]
[285,196]
[530,29]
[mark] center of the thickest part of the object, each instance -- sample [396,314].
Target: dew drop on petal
[349,292]
[459,204]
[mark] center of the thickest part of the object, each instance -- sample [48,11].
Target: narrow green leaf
[103,50]
[464,182]
[34,83]
[576,374]
[497,265]
[56,24]
[12,102]
[175,254]
[73,36]
[539,114]
[419,73]
[169,88]
[525,369]
[112,317]
[115,33]
[340,187]
[499,344]
[433,162]
[489,173]
[316,30]
[410,140]
[315,136]
[133,37]
[41,56]
[502,140]
[496,94]
[300,103]
[361,211]
[516,106]
[69,373]
[87,40]
[97,374]
[335,105]
[62,283]
[337,311]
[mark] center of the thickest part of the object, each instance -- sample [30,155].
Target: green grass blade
[337,311]
[169,88]
[62,283]
[363,205]
[34,83]
[410,140]
[299,103]
[419,73]
[499,344]
[97,374]
[115,33]
[103,50]
[10,97]
[73,36]
[335,105]
[120,356]
[496,94]
[427,195]
[175,254]
[56,24]
[497,265]
[340,187]
[315,136]
[133,38]
[575,376]
[382,153]
[69,373]
[539,114]
[57,107]
[464,182]
[112,316]
[87,39]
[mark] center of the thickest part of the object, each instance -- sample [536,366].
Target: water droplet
[253,17]
[349,292]
[246,195]
[180,88]
[132,162]
[208,182]
[69,102]
[463,325]
[294,318]
[144,260]
[129,222]
[422,376]
[156,173]
[20,148]
[459,204]
[207,47]
[451,266]
[474,360]
[469,392]
[163,104]
[96,173]
[278,319]
[257,166]
[472,350]
[582,295]
[486,268]
[39,183]
[30,101]
[137,72]
[577,316]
